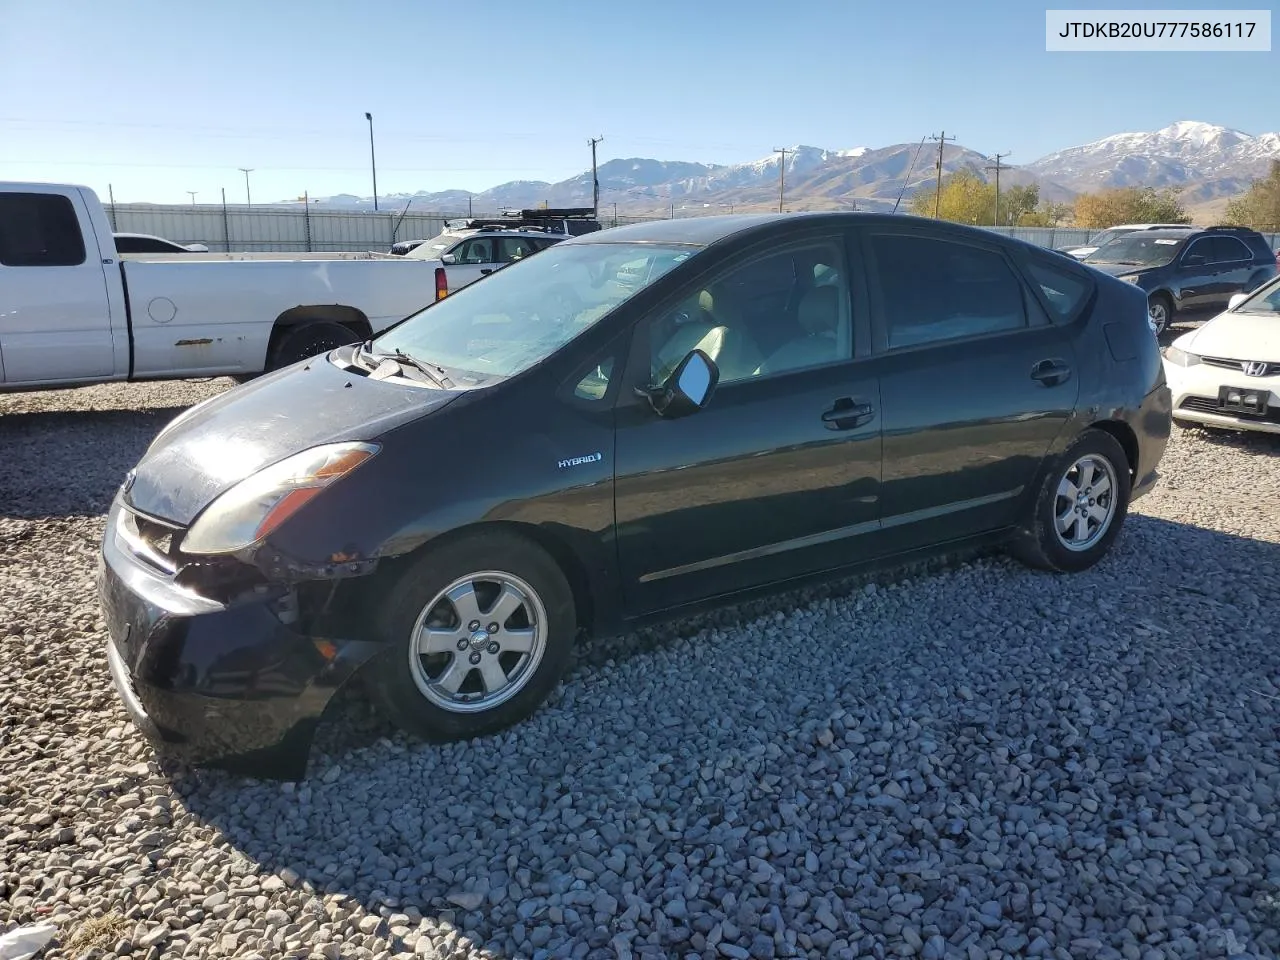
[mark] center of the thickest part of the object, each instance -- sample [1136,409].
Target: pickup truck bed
[73,311]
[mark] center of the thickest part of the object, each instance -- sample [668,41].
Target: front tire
[479,633]
[1079,508]
[1160,310]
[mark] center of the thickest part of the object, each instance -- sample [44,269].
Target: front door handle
[1051,372]
[486,270]
[845,414]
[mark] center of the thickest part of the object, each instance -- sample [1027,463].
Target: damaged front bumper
[238,682]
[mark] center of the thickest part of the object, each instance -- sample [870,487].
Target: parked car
[627,427]
[467,254]
[1106,236]
[1188,273]
[559,223]
[146,243]
[75,311]
[1226,373]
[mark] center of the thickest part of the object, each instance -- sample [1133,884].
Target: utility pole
[595,181]
[997,168]
[248,202]
[782,174]
[937,196]
[193,196]
[373,160]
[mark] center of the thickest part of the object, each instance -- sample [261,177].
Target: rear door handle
[1051,372]
[845,414]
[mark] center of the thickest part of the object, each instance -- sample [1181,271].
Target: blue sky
[158,98]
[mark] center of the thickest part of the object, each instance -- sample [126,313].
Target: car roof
[703,231]
[1178,234]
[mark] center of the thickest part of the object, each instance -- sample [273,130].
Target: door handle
[486,270]
[1051,372]
[845,414]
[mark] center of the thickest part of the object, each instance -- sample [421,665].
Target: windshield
[1264,300]
[1138,249]
[523,313]
[431,249]
[1106,236]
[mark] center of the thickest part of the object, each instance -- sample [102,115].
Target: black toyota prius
[634,424]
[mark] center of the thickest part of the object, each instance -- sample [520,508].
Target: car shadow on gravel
[697,776]
[89,471]
[1249,441]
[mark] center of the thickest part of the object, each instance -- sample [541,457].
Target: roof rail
[1229,227]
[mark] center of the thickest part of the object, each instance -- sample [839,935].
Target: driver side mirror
[448,258]
[1236,300]
[688,389]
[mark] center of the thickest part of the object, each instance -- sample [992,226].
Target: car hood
[1118,269]
[1237,336]
[217,443]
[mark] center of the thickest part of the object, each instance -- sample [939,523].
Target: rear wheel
[309,339]
[479,633]
[1080,506]
[1160,310]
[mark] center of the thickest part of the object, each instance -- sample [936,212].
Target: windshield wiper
[439,378]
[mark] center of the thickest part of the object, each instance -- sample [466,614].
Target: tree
[1259,207]
[1016,203]
[965,199]
[1106,208]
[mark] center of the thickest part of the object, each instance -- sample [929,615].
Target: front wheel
[479,632]
[1160,310]
[1080,506]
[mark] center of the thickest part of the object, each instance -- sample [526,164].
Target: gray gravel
[971,762]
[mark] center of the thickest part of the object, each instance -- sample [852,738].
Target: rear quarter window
[39,230]
[1065,291]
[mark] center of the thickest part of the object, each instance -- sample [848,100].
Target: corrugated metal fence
[274,229]
[271,229]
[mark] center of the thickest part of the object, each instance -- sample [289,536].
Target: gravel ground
[975,761]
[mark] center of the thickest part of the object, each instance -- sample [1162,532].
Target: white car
[1226,373]
[1106,236]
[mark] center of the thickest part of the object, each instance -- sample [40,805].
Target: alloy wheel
[1085,504]
[478,642]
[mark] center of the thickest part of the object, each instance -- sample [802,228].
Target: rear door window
[936,290]
[39,230]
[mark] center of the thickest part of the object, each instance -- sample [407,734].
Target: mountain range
[1206,160]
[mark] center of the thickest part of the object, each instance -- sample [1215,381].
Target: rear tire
[1079,508]
[309,339]
[1160,310]
[452,673]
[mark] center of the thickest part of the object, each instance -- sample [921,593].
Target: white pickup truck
[74,311]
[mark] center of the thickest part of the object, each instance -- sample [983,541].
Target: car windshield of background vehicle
[1105,237]
[1138,250]
[1266,300]
[432,249]
[523,313]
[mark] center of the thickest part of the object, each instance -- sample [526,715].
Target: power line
[937,196]
[782,173]
[997,168]
[907,178]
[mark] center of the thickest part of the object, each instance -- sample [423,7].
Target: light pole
[248,201]
[193,196]
[373,160]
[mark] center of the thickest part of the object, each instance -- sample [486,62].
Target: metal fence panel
[240,228]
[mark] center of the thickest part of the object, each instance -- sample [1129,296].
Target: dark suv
[1188,272]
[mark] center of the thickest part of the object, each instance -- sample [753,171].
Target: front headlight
[1180,357]
[1129,277]
[258,504]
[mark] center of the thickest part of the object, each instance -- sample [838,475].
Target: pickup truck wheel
[309,340]
[478,633]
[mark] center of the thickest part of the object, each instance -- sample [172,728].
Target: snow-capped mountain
[1205,159]
[1183,153]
